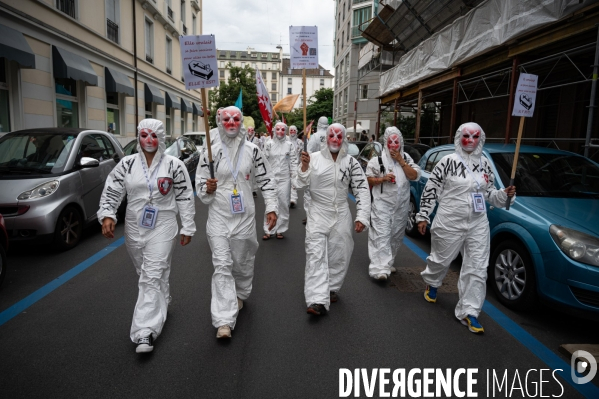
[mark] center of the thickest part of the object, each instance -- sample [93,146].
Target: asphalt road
[74,342]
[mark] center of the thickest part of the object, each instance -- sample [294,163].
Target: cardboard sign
[526,95]
[303,43]
[198,55]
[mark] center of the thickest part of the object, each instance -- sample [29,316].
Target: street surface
[74,341]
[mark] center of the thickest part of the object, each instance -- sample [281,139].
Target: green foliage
[320,104]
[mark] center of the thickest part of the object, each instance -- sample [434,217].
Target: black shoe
[316,309]
[292,205]
[305,221]
[334,297]
[145,345]
[255,194]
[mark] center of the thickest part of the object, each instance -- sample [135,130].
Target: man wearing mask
[280,154]
[298,145]
[389,176]
[157,188]
[315,143]
[329,174]
[231,226]
[461,183]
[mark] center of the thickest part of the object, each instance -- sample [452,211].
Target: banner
[198,57]
[526,95]
[264,101]
[303,43]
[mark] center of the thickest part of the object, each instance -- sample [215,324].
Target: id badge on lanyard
[479,202]
[149,214]
[236,197]
[236,202]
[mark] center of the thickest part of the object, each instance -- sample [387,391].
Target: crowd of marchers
[237,165]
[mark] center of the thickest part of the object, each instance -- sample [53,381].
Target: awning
[197,110]
[185,105]
[172,101]
[118,82]
[14,47]
[152,94]
[68,65]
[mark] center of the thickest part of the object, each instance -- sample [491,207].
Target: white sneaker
[223,332]
[239,304]
[381,277]
[145,345]
[393,270]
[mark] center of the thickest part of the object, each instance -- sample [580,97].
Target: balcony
[67,6]
[169,71]
[170,13]
[361,1]
[112,31]
[356,31]
[165,17]
[183,28]
[195,4]
[149,58]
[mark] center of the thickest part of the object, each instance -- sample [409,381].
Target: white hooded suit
[390,205]
[329,241]
[150,249]
[232,237]
[456,226]
[316,143]
[298,145]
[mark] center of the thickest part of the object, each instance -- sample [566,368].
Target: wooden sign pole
[207,127]
[515,164]
[304,104]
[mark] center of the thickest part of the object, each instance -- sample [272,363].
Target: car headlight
[577,245]
[41,191]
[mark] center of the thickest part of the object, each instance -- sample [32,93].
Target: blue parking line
[23,304]
[547,356]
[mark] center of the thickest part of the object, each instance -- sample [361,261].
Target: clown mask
[293,132]
[334,139]
[394,142]
[280,131]
[148,140]
[251,132]
[231,120]
[470,138]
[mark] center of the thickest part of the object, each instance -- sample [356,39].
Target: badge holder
[149,214]
[236,202]
[479,202]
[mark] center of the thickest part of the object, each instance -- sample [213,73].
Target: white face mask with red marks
[394,142]
[280,131]
[251,132]
[293,132]
[470,138]
[334,138]
[231,120]
[148,140]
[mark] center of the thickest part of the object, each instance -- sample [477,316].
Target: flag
[239,102]
[286,104]
[264,102]
[283,116]
[308,130]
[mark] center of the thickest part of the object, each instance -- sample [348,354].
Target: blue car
[547,245]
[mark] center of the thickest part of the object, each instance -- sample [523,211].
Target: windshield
[550,175]
[353,150]
[34,153]
[173,150]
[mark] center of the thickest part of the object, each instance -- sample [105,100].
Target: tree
[226,94]
[320,104]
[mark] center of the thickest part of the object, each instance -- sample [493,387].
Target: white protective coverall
[282,158]
[316,142]
[456,227]
[329,241]
[298,145]
[150,249]
[232,237]
[390,205]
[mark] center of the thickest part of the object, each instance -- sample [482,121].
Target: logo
[526,101]
[201,70]
[588,364]
[304,48]
[164,185]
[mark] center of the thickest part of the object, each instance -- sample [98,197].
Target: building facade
[291,81]
[355,92]
[81,63]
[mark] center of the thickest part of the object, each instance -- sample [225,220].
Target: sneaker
[223,332]
[255,194]
[144,345]
[430,294]
[304,221]
[292,205]
[334,297]
[239,304]
[380,277]
[473,325]
[316,309]
[393,270]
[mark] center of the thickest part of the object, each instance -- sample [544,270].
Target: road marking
[23,304]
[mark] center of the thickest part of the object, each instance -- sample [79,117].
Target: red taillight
[22,209]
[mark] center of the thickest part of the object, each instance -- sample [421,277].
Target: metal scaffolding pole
[592,105]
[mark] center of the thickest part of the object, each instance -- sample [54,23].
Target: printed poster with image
[198,57]
[303,43]
[526,95]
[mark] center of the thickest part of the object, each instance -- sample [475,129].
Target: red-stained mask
[293,132]
[231,120]
[251,131]
[148,140]
[394,142]
[334,139]
[280,130]
[470,138]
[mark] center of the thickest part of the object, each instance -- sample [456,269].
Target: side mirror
[89,162]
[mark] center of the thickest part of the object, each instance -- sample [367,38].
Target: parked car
[198,138]
[353,150]
[3,249]
[547,245]
[184,149]
[52,180]
[374,149]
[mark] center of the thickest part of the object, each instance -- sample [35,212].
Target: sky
[263,24]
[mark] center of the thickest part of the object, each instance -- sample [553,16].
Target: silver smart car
[51,180]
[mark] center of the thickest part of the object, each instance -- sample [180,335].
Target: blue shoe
[473,325]
[430,294]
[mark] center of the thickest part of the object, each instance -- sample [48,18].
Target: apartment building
[291,81]
[355,92]
[101,64]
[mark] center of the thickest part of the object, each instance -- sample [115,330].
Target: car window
[34,153]
[434,159]
[190,146]
[92,146]
[353,150]
[108,145]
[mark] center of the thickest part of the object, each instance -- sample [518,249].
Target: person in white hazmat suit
[281,156]
[329,174]
[461,183]
[298,145]
[157,188]
[231,225]
[315,143]
[389,176]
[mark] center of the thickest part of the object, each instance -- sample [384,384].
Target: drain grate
[408,279]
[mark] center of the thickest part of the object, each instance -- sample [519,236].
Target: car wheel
[411,225]
[69,228]
[512,276]
[2,264]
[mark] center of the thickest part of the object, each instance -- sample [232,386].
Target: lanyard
[235,171]
[150,180]
[469,171]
